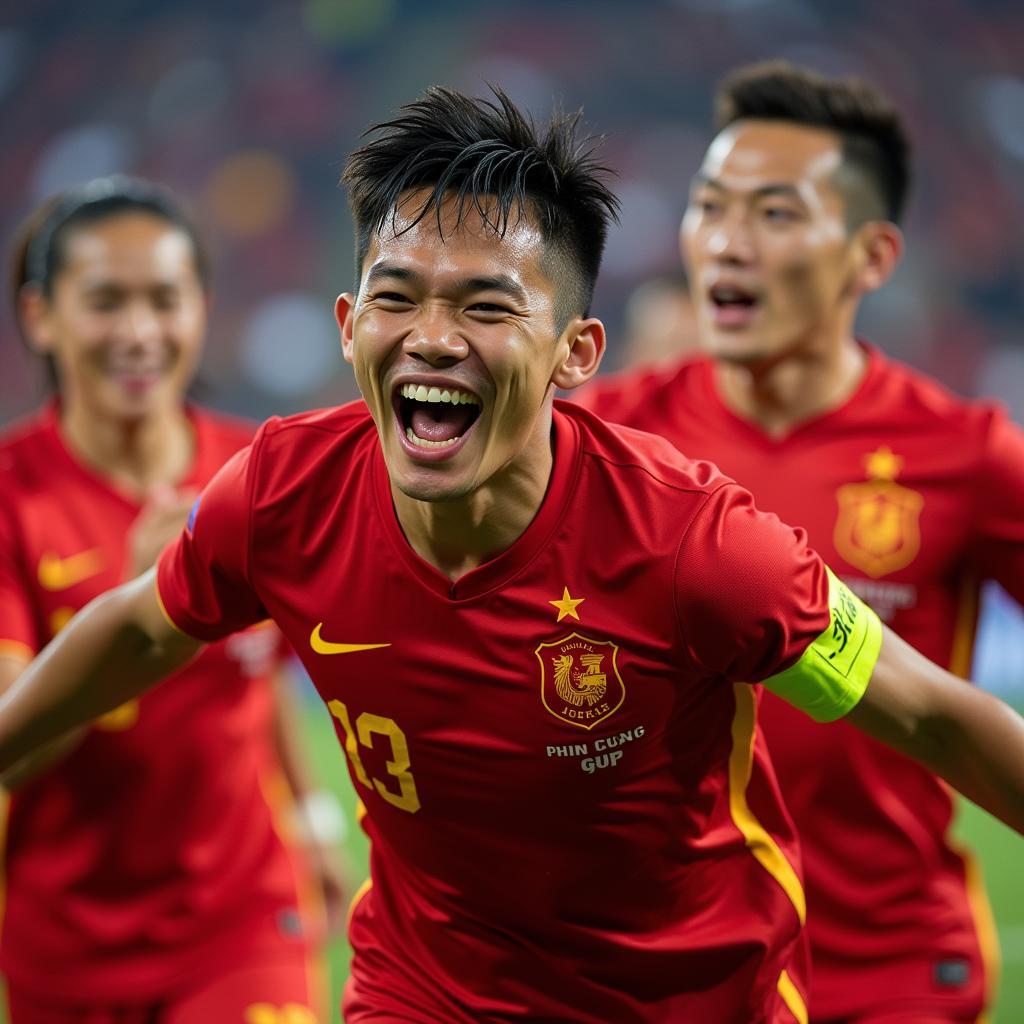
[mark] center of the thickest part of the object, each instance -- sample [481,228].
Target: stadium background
[248,108]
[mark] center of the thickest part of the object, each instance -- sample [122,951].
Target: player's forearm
[37,762]
[978,748]
[101,659]
[966,736]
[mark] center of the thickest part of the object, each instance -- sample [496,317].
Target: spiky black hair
[489,157]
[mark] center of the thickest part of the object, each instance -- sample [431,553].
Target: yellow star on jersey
[883,464]
[568,605]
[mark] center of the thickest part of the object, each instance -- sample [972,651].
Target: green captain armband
[833,673]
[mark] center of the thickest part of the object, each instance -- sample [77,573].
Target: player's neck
[780,395]
[134,455]
[456,537]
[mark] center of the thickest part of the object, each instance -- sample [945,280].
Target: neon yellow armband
[833,673]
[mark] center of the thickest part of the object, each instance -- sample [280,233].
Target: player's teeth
[422,442]
[421,393]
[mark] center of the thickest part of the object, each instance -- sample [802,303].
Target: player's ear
[879,248]
[581,347]
[35,320]
[343,310]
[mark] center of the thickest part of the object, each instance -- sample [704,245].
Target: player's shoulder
[25,449]
[638,460]
[304,441]
[919,399]
[618,393]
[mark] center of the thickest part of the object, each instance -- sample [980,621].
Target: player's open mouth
[732,306]
[434,420]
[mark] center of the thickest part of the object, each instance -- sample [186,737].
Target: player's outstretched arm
[968,737]
[115,648]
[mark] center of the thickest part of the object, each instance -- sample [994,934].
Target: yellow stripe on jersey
[357,899]
[166,614]
[964,629]
[833,672]
[792,998]
[759,842]
[984,924]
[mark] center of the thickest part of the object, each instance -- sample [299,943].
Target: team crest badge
[878,528]
[579,680]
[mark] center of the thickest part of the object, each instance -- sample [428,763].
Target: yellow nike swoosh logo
[322,646]
[56,573]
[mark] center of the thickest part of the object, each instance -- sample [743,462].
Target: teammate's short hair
[875,174]
[492,159]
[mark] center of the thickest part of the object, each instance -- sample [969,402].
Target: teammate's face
[766,243]
[126,316]
[456,350]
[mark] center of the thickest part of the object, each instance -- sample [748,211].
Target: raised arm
[968,737]
[114,649]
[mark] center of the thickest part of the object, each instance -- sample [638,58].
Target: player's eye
[488,308]
[705,204]
[779,214]
[166,302]
[392,298]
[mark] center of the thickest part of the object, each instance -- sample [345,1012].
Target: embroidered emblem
[878,528]
[579,680]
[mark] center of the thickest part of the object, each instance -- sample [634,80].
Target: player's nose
[730,239]
[139,323]
[436,339]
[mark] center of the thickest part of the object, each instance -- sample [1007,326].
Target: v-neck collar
[498,571]
[754,430]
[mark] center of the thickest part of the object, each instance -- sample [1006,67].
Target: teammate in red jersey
[145,879]
[539,635]
[912,496]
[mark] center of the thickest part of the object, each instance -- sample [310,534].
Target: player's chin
[740,348]
[432,485]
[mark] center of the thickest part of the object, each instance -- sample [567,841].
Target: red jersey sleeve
[18,635]
[999,539]
[751,596]
[203,576]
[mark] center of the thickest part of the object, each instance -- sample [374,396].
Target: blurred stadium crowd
[247,108]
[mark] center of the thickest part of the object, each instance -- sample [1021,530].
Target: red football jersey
[912,497]
[149,853]
[570,808]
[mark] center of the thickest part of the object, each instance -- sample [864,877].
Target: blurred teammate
[912,495]
[537,633]
[145,880]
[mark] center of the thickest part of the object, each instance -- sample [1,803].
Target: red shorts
[267,989]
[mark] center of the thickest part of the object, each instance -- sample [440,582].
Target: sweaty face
[765,241]
[454,342]
[126,317]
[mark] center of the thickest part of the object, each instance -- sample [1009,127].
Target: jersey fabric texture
[913,497]
[571,813]
[148,855]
